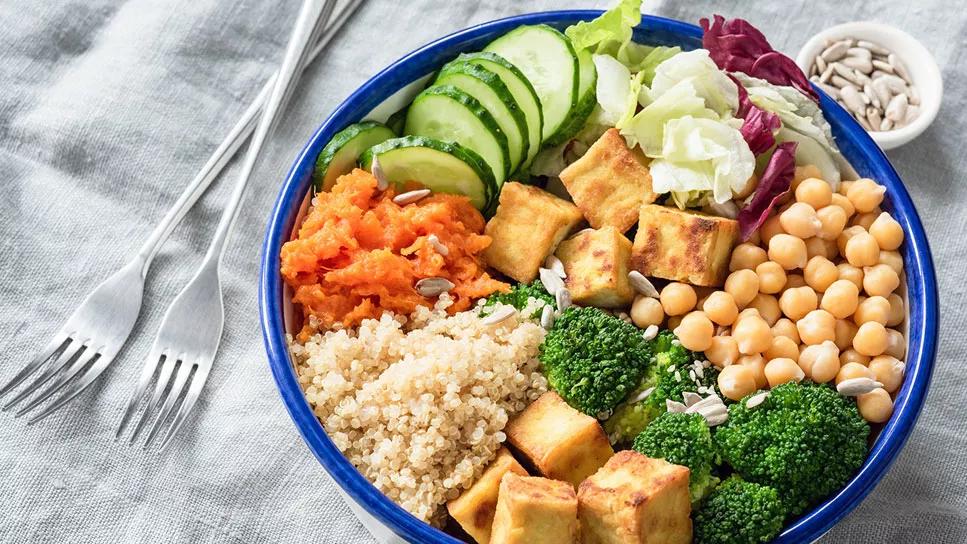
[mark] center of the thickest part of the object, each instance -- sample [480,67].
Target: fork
[184,349]
[92,336]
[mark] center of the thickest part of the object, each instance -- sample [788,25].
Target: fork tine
[63,379]
[67,356]
[156,396]
[147,372]
[184,371]
[98,364]
[194,391]
[51,351]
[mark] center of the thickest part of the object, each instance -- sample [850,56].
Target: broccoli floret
[668,378]
[805,440]
[682,439]
[593,360]
[739,512]
[520,293]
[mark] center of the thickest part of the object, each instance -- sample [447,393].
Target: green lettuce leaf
[647,127]
[610,32]
[720,93]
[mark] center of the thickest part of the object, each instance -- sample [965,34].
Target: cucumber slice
[396,121]
[492,94]
[340,154]
[587,99]
[440,166]
[549,61]
[523,92]
[446,113]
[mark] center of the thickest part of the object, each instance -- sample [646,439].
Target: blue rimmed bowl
[394,86]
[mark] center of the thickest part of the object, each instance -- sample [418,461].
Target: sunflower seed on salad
[382,182]
[547,317]
[502,313]
[650,332]
[410,197]
[756,399]
[431,287]
[854,387]
[642,284]
[551,281]
[555,265]
[438,245]
[563,299]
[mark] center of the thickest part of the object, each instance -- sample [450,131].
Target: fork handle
[230,145]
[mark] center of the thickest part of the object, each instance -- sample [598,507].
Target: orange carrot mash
[359,254]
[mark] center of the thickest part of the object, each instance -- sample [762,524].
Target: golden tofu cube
[533,510]
[681,245]
[634,499]
[610,182]
[596,263]
[527,227]
[558,441]
[474,509]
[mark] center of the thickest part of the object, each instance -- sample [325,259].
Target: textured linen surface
[108,108]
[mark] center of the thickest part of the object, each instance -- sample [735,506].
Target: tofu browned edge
[535,510]
[528,225]
[610,182]
[683,245]
[474,509]
[596,264]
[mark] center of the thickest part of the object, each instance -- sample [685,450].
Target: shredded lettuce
[720,93]
[614,89]
[647,127]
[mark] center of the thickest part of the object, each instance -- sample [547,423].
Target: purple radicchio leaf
[773,185]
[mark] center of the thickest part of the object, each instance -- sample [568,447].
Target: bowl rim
[913,53]
[921,281]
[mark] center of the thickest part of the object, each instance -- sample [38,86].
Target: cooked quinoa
[419,404]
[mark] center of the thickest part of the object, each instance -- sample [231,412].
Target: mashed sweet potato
[358,253]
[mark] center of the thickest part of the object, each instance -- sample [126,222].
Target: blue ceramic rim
[856,143]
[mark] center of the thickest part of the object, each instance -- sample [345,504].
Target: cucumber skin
[493,81]
[579,114]
[336,144]
[481,113]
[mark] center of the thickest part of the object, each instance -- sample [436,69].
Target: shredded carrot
[358,254]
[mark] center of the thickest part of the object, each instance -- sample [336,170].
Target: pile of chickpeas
[813,294]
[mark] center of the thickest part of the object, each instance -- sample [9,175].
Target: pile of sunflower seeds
[869,81]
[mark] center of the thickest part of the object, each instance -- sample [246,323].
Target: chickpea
[795,303]
[752,335]
[844,187]
[720,307]
[673,322]
[896,345]
[743,285]
[843,202]
[815,192]
[786,327]
[802,173]
[772,278]
[832,220]
[871,339]
[880,280]
[783,370]
[853,356]
[723,351]
[875,309]
[887,231]
[678,298]
[747,256]
[695,331]
[865,194]
[851,273]
[888,371]
[782,347]
[862,250]
[737,381]
[647,311]
[746,313]
[865,219]
[845,332]
[841,298]
[850,371]
[817,327]
[875,406]
[845,237]
[800,220]
[793,281]
[768,307]
[820,361]
[822,248]
[820,273]
[770,228]
[893,259]
[758,366]
[788,251]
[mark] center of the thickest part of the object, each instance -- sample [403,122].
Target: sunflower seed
[827,73]
[547,317]
[843,72]
[864,123]
[841,83]
[859,52]
[717,420]
[431,287]
[756,399]
[893,83]
[820,64]
[710,401]
[410,197]
[861,78]
[851,97]
[858,63]
[899,67]
[883,66]
[882,91]
[438,245]
[552,281]
[829,89]
[872,47]
[563,299]
[857,386]
[913,95]
[674,406]
[500,314]
[382,182]
[641,396]
[912,113]
[641,284]
[691,398]
[896,110]
[873,116]
[700,372]
[877,74]
[836,51]
[650,333]
[871,94]
[555,265]
[886,124]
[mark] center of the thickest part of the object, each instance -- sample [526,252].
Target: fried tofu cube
[558,441]
[634,499]
[610,182]
[596,263]
[681,245]
[527,227]
[474,509]
[532,510]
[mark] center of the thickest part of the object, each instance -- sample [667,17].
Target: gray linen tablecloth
[108,108]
